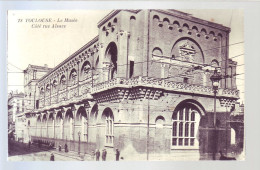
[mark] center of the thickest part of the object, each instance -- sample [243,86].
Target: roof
[95,39]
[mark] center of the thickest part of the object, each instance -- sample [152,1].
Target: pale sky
[39,46]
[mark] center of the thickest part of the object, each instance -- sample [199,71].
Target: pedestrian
[52,157]
[66,148]
[117,154]
[29,144]
[104,155]
[59,148]
[97,155]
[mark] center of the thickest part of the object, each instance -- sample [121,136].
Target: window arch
[54,85]
[73,77]
[159,122]
[214,63]
[63,82]
[156,17]
[185,122]
[86,70]
[157,51]
[111,56]
[109,126]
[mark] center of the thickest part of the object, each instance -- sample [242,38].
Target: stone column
[105,71]
[122,56]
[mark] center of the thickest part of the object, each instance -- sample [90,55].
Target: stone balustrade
[85,89]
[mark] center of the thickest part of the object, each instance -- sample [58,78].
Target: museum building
[143,86]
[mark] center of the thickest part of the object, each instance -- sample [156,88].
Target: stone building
[142,86]
[29,100]
[31,76]
[15,106]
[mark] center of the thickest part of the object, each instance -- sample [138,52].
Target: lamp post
[79,133]
[215,78]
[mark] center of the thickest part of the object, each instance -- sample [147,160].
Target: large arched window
[185,122]
[54,86]
[63,82]
[109,126]
[86,71]
[111,56]
[73,77]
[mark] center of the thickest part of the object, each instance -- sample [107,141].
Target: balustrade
[85,87]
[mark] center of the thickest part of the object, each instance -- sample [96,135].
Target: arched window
[111,56]
[109,127]
[86,71]
[157,52]
[73,77]
[185,125]
[62,82]
[54,86]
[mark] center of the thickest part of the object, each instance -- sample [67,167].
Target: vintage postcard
[126,85]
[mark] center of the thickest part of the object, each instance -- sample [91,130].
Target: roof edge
[95,39]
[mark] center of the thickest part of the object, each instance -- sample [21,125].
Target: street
[21,152]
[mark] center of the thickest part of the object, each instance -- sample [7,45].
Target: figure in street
[29,145]
[97,155]
[66,148]
[117,154]
[104,155]
[52,157]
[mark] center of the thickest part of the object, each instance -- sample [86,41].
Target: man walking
[117,154]
[97,155]
[52,157]
[104,155]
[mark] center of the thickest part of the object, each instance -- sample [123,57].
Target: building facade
[15,106]
[142,86]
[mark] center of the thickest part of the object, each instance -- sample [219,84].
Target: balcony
[163,84]
[84,91]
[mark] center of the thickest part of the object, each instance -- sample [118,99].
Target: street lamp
[215,78]
[79,133]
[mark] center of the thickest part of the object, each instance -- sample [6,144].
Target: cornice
[188,17]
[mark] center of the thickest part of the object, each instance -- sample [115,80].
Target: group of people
[104,154]
[65,148]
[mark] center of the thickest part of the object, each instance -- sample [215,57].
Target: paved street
[21,152]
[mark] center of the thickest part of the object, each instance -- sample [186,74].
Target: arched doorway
[93,115]
[111,56]
[44,125]
[38,126]
[108,117]
[59,126]
[81,124]
[50,126]
[68,125]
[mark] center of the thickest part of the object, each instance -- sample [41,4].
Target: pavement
[20,152]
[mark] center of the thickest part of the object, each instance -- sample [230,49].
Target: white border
[252,69]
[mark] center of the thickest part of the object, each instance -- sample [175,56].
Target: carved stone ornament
[187,51]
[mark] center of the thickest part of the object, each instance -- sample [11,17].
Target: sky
[28,44]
